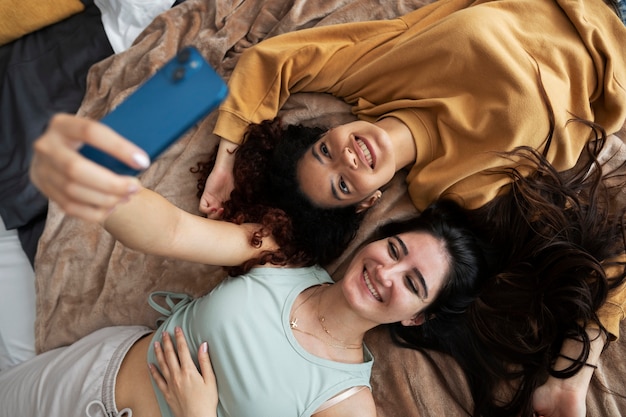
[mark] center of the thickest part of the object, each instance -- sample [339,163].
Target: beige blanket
[86,280]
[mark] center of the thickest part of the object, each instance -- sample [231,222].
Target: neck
[402,141]
[340,320]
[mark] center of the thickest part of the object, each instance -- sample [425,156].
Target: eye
[411,285]
[393,251]
[324,150]
[343,186]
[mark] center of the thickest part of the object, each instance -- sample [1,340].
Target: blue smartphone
[168,104]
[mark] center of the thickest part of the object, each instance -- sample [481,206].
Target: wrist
[575,360]
[225,159]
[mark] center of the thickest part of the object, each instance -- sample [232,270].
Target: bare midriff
[133,387]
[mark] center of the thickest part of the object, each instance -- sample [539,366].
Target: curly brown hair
[267,192]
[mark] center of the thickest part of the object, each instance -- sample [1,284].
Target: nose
[384,275]
[350,158]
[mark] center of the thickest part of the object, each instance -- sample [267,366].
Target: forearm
[572,349]
[145,223]
[151,224]
[559,397]
[225,159]
[578,384]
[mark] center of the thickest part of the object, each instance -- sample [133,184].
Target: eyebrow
[332,185]
[417,273]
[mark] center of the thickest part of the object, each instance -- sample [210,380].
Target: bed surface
[85,280]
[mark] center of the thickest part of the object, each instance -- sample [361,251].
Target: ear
[415,320]
[370,201]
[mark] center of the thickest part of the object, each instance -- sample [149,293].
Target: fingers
[217,188]
[80,186]
[211,206]
[184,356]
[172,359]
[206,369]
[76,131]
[187,391]
[158,379]
[162,359]
[215,214]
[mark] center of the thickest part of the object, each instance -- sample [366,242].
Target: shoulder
[360,404]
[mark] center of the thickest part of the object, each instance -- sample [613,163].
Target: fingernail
[204,347]
[141,160]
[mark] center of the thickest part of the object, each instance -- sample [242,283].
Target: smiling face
[347,165]
[393,279]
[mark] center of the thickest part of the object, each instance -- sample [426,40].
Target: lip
[370,287]
[360,152]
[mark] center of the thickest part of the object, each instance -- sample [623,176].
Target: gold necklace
[293,323]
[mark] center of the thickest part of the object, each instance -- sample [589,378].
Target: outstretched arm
[139,218]
[151,224]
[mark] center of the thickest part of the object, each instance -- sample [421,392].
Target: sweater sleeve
[309,60]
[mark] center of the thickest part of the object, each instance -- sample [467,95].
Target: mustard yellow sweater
[465,76]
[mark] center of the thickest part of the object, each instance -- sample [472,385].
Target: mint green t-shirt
[260,368]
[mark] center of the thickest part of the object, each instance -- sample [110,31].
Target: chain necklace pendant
[337,344]
[340,343]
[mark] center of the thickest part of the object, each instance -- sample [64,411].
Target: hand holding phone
[162,109]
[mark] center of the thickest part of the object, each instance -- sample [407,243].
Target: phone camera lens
[179,74]
[184,55]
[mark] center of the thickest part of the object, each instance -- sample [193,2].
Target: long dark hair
[555,234]
[267,192]
[468,255]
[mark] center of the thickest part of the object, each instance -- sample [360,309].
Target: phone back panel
[162,109]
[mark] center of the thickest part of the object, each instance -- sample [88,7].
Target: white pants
[73,381]
[17,301]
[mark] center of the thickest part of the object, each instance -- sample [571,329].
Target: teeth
[366,152]
[370,287]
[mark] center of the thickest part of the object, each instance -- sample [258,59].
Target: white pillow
[124,20]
